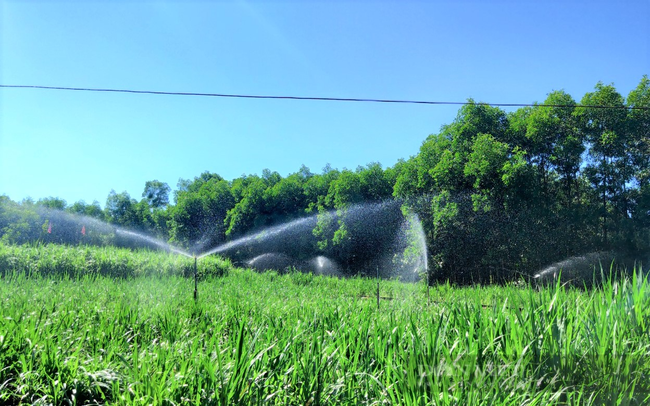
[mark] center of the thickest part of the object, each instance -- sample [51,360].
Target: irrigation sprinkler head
[428,287]
[196,292]
[377,287]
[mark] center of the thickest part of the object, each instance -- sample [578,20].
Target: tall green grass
[311,340]
[81,260]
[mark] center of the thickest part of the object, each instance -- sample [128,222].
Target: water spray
[196,291]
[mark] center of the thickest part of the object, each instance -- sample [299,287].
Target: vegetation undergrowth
[296,338]
[80,260]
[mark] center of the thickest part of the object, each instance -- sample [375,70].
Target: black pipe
[428,287]
[196,291]
[378,287]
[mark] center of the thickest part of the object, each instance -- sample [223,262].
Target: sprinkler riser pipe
[428,288]
[377,287]
[196,291]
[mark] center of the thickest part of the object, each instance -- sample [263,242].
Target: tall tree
[639,131]
[609,168]
[317,187]
[120,209]
[52,203]
[198,217]
[156,193]
[555,142]
[249,211]
[94,210]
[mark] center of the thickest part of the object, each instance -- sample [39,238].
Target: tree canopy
[500,194]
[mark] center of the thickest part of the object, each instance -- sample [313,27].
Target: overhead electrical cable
[334,99]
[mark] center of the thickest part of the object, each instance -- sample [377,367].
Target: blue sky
[79,146]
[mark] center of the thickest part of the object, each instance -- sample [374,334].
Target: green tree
[406,182]
[186,185]
[639,130]
[343,192]
[638,121]
[249,210]
[94,210]
[217,201]
[120,209]
[609,168]
[156,193]
[271,177]
[316,189]
[54,203]
[555,142]
[19,222]
[186,219]
[437,167]
[440,165]
[198,217]
[375,184]
[286,197]
[78,207]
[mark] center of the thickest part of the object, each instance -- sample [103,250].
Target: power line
[334,99]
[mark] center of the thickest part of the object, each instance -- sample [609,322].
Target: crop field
[82,325]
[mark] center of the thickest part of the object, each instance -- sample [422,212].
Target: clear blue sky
[78,145]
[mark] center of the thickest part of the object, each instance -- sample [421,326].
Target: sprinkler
[196,291]
[428,287]
[377,287]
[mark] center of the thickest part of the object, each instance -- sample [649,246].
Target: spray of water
[367,248]
[408,259]
[266,234]
[419,257]
[321,265]
[578,269]
[379,238]
[271,260]
[151,240]
[67,226]
[302,226]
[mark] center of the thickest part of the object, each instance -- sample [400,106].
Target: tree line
[500,194]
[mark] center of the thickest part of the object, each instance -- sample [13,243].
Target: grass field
[83,260]
[134,335]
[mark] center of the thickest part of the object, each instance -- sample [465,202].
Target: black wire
[338,99]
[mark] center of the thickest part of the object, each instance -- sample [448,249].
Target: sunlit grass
[84,260]
[301,339]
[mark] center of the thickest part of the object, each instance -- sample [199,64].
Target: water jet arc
[379,236]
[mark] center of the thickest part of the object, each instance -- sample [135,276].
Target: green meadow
[83,325]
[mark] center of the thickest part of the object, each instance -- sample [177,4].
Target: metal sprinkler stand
[377,287]
[196,291]
[428,288]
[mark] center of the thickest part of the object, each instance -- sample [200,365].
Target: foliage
[156,193]
[39,260]
[500,195]
[303,339]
